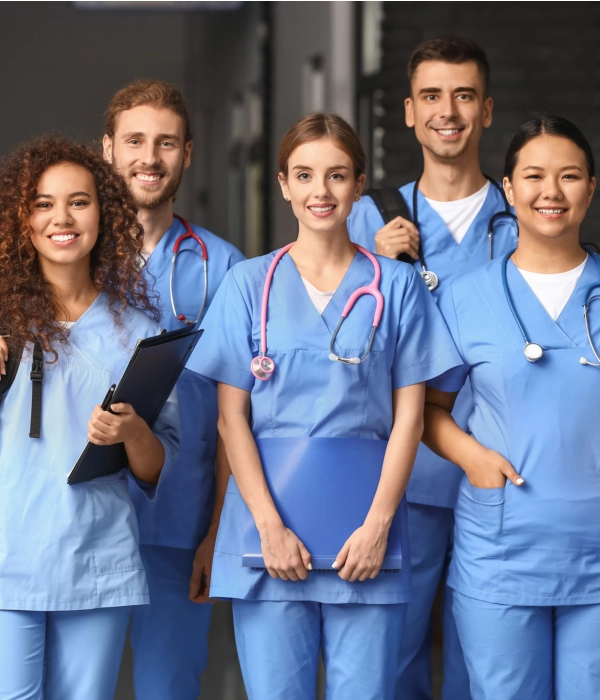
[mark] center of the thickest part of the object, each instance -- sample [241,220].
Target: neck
[155,222]
[323,258]
[548,256]
[445,180]
[74,289]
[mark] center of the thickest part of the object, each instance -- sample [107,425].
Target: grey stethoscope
[533,351]
[430,278]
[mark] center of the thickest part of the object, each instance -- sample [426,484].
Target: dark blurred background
[249,70]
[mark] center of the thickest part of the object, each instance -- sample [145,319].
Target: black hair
[551,125]
[450,49]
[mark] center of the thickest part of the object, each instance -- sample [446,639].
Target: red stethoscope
[188,234]
[262,367]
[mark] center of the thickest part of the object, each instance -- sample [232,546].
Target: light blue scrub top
[310,396]
[72,547]
[434,480]
[180,516]
[538,544]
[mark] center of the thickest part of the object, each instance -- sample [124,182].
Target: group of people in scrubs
[485,347]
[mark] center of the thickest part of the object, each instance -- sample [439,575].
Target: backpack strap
[390,203]
[12,365]
[37,371]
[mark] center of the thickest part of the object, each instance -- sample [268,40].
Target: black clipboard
[151,374]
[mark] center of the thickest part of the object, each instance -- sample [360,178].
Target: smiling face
[65,216]
[550,187]
[321,186]
[448,108]
[149,150]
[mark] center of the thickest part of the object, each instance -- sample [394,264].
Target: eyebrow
[160,137]
[333,167]
[566,167]
[431,90]
[73,194]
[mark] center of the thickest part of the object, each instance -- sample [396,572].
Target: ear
[488,106]
[409,113]
[107,148]
[591,190]
[187,154]
[358,188]
[508,190]
[284,187]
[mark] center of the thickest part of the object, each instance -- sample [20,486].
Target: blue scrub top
[538,544]
[182,514]
[310,396]
[434,480]
[72,547]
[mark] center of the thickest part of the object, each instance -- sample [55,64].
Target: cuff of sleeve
[451,381]
[229,374]
[426,371]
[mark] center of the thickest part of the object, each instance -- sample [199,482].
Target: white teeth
[551,211]
[321,210]
[148,178]
[448,132]
[61,238]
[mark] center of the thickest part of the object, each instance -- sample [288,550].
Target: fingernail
[334,565]
[520,481]
[309,567]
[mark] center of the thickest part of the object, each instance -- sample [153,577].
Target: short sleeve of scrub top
[453,380]
[226,350]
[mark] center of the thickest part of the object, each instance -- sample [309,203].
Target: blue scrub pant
[537,653]
[431,536]
[278,646]
[66,655]
[170,636]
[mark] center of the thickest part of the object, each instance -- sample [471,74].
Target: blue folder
[323,489]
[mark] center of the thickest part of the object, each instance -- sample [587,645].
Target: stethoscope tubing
[189,233]
[262,367]
[430,277]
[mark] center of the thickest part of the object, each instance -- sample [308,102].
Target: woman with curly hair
[70,282]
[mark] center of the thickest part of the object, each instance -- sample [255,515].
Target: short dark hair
[550,124]
[450,49]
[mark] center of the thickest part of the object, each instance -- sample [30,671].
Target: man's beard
[155,201]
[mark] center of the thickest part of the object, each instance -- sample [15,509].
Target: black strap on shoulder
[12,365]
[37,370]
[390,203]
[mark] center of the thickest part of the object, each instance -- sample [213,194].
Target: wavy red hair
[29,307]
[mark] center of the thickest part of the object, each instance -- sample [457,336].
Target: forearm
[444,437]
[247,470]
[399,459]
[145,453]
[222,473]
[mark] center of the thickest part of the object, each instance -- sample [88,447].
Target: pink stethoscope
[262,367]
[188,234]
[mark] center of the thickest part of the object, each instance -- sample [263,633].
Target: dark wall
[543,58]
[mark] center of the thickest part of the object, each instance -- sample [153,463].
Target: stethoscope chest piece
[533,352]
[431,279]
[262,367]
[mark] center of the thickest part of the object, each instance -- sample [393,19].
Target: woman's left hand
[362,555]
[105,428]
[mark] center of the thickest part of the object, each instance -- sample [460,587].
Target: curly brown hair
[29,307]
